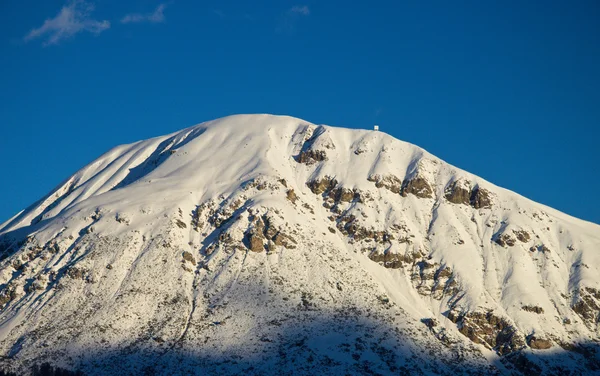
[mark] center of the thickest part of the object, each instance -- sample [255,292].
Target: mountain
[260,244]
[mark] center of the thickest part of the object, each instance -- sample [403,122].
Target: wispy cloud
[157,16]
[300,9]
[287,22]
[219,13]
[73,18]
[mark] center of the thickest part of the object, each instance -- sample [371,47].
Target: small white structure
[376,127]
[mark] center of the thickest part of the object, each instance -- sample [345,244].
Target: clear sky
[507,90]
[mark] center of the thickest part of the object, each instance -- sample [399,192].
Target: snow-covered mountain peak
[263,224]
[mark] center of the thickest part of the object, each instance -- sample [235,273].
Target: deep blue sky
[508,90]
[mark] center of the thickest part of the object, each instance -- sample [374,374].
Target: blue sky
[508,90]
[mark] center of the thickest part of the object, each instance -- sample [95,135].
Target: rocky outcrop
[433,279]
[481,198]
[522,235]
[459,192]
[417,186]
[489,330]
[265,231]
[318,186]
[587,306]
[314,149]
[311,156]
[291,195]
[504,240]
[539,343]
[389,182]
[394,260]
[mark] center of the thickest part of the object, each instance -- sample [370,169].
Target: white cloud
[74,17]
[157,16]
[300,9]
[288,20]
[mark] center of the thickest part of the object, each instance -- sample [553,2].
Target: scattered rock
[180,223]
[534,309]
[504,240]
[522,235]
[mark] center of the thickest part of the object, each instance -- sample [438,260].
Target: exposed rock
[291,195]
[389,182]
[311,156]
[539,343]
[350,226]
[256,243]
[319,186]
[188,257]
[505,240]
[342,194]
[417,186]
[534,309]
[430,322]
[587,305]
[481,198]
[226,212]
[488,329]
[284,240]
[76,273]
[540,248]
[522,235]
[180,223]
[7,295]
[458,192]
[432,279]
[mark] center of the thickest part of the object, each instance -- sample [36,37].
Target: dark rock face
[417,186]
[489,330]
[587,306]
[389,182]
[481,198]
[457,193]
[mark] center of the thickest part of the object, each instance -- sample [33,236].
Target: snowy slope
[267,244]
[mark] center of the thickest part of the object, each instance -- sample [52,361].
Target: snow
[123,210]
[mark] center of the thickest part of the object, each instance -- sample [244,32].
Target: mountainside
[263,244]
